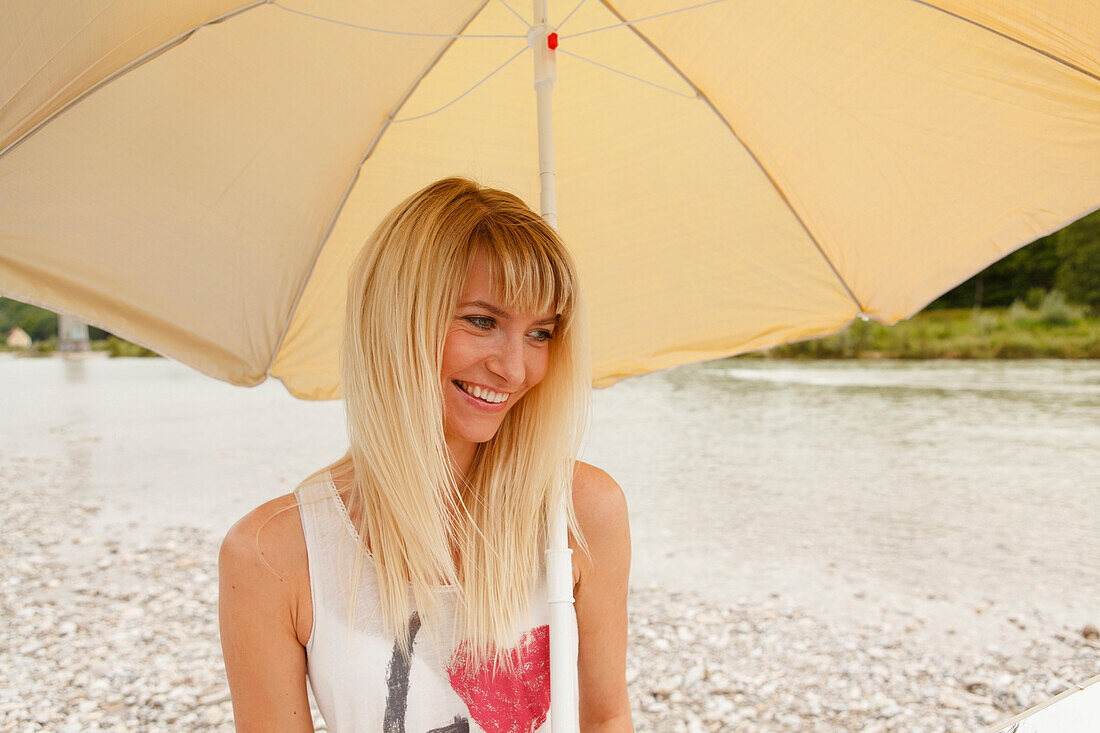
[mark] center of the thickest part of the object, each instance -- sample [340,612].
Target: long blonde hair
[402,294]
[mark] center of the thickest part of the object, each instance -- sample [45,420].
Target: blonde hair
[406,501]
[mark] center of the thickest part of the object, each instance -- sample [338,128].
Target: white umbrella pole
[564,695]
[546,73]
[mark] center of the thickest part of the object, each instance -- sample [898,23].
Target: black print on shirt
[459,726]
[397,697]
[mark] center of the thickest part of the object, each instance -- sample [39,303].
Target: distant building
[72,335]
[18,338]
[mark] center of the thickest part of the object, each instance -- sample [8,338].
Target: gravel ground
[102,634]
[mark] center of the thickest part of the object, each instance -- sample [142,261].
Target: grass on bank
[1048,327]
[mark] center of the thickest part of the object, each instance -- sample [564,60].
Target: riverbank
[110,634]
[991,333]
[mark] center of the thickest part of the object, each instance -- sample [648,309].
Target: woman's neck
[462,454]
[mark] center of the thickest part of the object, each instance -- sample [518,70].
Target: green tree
[1068,260]
[1078,275]
[39,323]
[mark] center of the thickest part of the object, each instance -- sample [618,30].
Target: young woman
[409,583]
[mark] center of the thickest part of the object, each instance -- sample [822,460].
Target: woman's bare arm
[600,601]
[259,611]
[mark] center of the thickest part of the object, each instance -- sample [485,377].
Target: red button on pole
[552,41]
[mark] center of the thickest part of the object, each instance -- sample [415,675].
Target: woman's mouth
[483,399]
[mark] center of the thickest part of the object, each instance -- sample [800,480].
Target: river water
[860,489]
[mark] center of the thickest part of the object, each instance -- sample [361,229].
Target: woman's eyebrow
[503,314]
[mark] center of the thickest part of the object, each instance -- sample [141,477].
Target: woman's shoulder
[600,508]
[598,501]
[274,522]
[271,531]
[265,551]
[593,486]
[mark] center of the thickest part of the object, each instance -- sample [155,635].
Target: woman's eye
[482,322]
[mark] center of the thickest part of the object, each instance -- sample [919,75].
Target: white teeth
[484,394]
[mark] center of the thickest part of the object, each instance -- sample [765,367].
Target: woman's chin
[476,436]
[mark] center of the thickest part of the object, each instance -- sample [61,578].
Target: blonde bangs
[525,266]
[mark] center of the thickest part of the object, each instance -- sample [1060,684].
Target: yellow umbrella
[197,175]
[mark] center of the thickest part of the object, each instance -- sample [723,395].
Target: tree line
[1067,261]
[39,323]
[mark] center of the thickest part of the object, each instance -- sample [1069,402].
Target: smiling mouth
[472,394]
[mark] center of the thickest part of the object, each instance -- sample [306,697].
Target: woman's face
[502,353]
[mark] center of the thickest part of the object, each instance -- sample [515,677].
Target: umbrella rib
[387,31]
[629,76]
[566,18]
[637,20]
[1007,37]
[703,96]
[147,56]
[355,177]
[513,11]
[512,58]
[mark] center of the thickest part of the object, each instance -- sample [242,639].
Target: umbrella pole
[564,694]
[546,73]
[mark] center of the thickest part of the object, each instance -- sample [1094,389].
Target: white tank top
[358,676]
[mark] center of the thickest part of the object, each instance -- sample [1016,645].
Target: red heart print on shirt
[504,703]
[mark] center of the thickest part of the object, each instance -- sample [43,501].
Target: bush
[985,322]
[119,347]
[1054,311]
[1021,313]
[45,347]
[1033,298]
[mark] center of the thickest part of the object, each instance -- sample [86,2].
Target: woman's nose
[507,362]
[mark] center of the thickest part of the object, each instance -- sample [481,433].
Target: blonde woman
[407,579]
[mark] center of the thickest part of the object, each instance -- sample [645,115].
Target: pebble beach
[104,633]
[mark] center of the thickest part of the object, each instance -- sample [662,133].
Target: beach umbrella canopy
[197,175]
